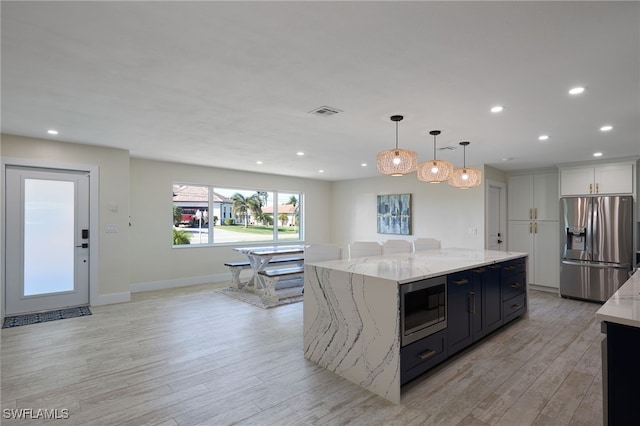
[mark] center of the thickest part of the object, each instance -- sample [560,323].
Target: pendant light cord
[434,147]
[396,135]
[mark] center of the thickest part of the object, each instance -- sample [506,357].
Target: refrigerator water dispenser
[576,239]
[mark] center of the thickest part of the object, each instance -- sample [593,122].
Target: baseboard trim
[182,282]
[109,299]
[545,288]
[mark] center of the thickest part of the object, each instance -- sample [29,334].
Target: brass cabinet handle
[473,302]
[535,228]
[515,307]
[479,270]
[590,188]
[427,354]
[494,266]
[515,285]
[509,268]
[461,282]
[530,225]
[597,188]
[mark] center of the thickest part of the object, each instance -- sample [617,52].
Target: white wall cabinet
[533,197]
[533,212]
[605,179]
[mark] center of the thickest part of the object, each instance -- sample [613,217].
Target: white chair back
[396,246]
[420,244]
[364,249]
[321,252]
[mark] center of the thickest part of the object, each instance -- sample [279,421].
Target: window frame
[211,189]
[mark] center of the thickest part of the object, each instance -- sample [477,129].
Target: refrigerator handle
[594,239]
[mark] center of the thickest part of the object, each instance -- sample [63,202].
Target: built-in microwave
[423,308]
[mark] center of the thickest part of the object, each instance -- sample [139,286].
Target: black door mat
[27,319]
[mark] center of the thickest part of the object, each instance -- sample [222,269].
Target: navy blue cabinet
[487,315]
[479,301]
[475,305]
[514,295]
[461,302]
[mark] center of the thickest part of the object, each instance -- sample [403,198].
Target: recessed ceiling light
[576,90]
[597,154]
[543,137]
[52,132]
[497,108]
[508,158]
[363,165]
[320,171]
[300,153]
[258,162]
[606,128]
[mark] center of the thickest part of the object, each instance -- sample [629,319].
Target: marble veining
[352,314]
[351,328]
[624,306]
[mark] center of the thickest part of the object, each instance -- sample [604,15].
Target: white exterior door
[47,240]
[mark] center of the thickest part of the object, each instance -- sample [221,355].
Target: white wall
[141,257]
[438,211]
[113,164]
[154,263]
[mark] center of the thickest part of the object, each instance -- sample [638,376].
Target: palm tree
[242,206]
[294,202]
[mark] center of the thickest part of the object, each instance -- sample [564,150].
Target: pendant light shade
[434,171]
[465,177]
[396,162]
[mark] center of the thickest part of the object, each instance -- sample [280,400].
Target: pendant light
[396,162]
[465,178]
[434,171]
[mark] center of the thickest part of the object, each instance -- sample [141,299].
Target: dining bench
[271,278]
[239,266]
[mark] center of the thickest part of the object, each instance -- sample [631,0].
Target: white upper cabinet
[533,197]
[605,179]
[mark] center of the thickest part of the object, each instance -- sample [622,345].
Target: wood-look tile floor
[191,356]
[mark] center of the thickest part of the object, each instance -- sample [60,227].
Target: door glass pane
[48,236]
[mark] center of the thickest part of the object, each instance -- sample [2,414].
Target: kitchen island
[620,318]
[352,311]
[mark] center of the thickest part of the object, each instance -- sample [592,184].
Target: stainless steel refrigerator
[596,246]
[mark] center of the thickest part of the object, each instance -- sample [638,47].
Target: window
[207,215]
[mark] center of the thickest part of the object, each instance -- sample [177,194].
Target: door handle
[83,245]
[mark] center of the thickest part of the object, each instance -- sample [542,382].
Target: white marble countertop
[624,306]
[408,267]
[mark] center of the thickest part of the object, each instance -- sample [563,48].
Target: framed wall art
[394,214]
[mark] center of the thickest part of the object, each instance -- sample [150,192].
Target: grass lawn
[261,229]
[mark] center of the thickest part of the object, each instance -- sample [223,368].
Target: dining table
[260,257]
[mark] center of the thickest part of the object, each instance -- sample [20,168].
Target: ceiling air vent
[325,111]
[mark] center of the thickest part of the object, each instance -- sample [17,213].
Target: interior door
[495,218]
[47,236]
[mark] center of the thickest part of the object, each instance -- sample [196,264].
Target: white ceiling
[228,83]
